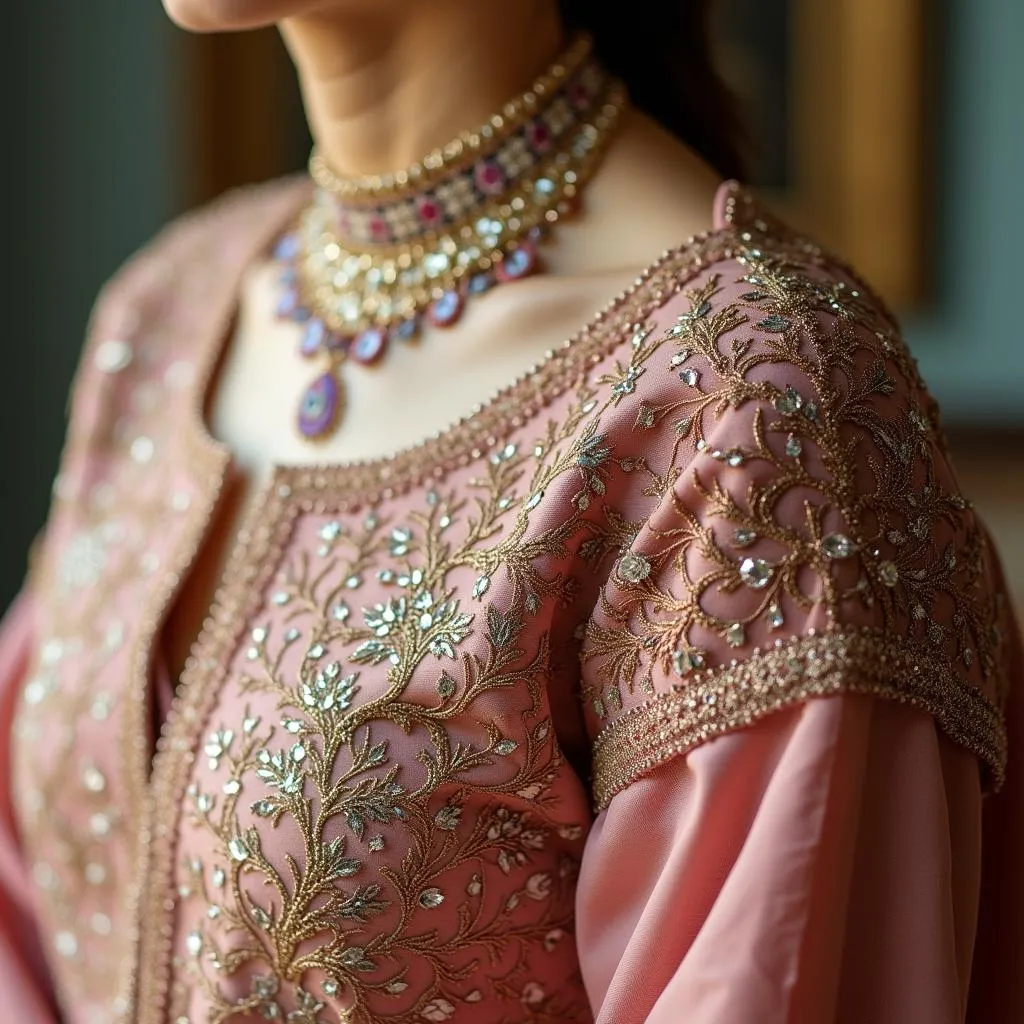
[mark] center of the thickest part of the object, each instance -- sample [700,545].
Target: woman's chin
[227,15]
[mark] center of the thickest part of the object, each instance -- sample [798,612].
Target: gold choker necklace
[371,259]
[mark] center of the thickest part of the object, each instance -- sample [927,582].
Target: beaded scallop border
[734,696]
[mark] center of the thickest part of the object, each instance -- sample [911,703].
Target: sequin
[239,849]
[736,635]
[889,573]
[685,661]
[789,402]
[430,898]
[142,449]
[837,546]
[633,568]
[113,355]
[756,572]
[66,944]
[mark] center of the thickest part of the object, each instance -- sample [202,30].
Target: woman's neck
[384,88]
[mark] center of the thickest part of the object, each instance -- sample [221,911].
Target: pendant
[314,338]
[407,329]
[320,406]
[518,262]
[446,309]
[369,346]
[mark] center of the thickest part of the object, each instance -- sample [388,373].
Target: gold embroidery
[805,487]
[737,695]
[325,765]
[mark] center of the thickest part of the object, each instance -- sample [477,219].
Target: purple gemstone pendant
[314,337]
[288,303]
[319,407]
[519,262]
[369,346]
[407,329]
[288,247]
[446,309]
[479,283]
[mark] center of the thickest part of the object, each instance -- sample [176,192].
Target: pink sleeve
[24,985]
[997,983]
[821,865]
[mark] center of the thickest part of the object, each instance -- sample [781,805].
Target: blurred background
[911,109]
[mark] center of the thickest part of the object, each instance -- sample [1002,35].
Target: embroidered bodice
[423,675]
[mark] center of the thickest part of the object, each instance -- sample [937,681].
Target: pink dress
[675,684]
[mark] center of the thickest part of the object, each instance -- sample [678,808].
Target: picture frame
[847,161]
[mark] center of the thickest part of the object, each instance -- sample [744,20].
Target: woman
[663,685]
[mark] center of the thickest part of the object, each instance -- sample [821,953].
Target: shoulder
[148,320]
[767,320]
[173,266]
[207,236]
[806,533]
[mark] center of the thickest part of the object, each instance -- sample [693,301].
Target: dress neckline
[365,481]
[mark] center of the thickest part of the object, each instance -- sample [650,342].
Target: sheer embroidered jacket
[644,693]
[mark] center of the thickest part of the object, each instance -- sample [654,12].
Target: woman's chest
[368,734]
[378,770]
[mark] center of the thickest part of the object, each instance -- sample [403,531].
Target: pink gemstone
[430,211]
[489,177]
[539,136]
[368,346]
[378,229]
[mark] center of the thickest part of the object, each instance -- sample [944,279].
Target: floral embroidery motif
[805,486]
[367,734]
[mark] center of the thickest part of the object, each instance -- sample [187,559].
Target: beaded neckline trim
[362,482]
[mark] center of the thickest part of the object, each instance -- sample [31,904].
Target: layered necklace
[371,261]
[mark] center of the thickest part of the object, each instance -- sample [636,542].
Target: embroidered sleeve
[806,537]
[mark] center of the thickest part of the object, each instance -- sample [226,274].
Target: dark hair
[667,66]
